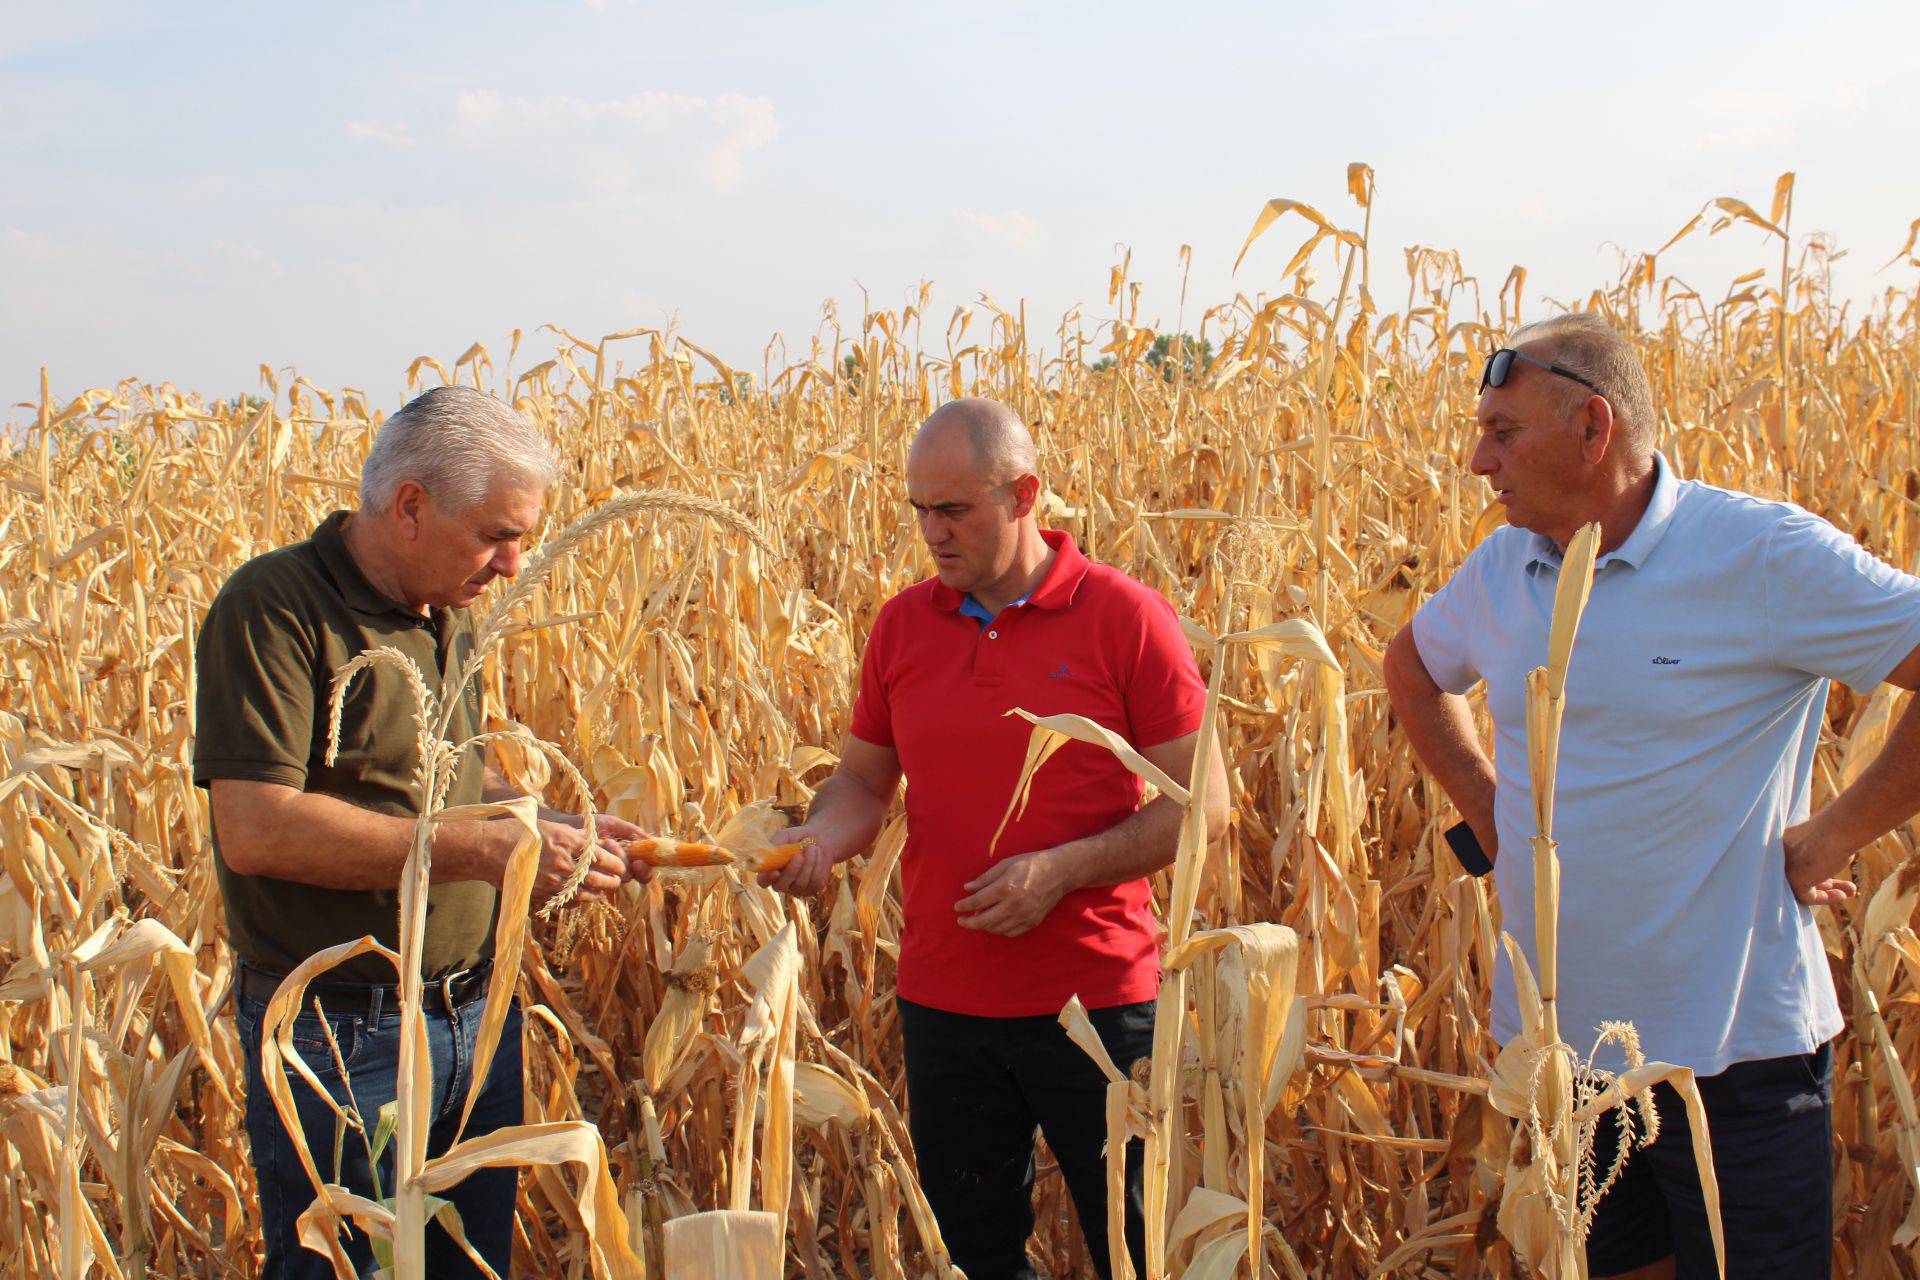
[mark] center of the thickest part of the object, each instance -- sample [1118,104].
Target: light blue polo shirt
[1695,698]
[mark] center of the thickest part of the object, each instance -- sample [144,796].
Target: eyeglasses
[1500,365]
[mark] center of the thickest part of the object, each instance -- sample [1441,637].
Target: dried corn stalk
[1316,469]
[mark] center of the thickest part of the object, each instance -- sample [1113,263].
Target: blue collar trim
[978,612]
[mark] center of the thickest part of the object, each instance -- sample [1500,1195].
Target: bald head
[992,436]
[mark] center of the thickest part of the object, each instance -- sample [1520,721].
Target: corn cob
[663,851]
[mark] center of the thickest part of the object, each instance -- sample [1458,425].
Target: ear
[410,502]
[1596,428]
[1026,492]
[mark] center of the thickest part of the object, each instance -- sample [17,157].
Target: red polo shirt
[935,685]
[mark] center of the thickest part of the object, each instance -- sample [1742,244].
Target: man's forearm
[327,842]
[847,812]
[1136,846]
[1149,838]
[1439,725]
[1443,738]
[1886,794]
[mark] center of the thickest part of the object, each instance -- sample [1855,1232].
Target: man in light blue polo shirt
[1695,700]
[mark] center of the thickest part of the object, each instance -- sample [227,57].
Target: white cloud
[1771,104]
[1745,119]
[1012,227]
[747,124]
[380,133]
[652,109]
[38,28]
[1439,24]
[1746,137]
[246,260]
[21,248]
[1436,22]
[612,140]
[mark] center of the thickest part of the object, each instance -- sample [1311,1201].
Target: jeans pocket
[1818,1067]
[1797,1073]
[1787,1085]
[328,1045]
[1126,1030]
[246,1019]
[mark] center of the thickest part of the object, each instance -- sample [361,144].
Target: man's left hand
[1014,894]
[1810,867]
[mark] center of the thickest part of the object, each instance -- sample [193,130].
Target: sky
[190,191]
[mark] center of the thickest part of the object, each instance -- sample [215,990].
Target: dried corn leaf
[727,1244]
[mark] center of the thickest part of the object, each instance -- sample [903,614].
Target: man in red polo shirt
[994,944]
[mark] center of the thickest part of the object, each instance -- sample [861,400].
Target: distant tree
[242,403]
[850,371]
[1195,354]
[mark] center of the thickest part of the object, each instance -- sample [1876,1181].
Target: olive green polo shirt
[273,638]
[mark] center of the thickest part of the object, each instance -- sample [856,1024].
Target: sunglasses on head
[1500,366]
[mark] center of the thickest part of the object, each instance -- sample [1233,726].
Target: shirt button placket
[990,664]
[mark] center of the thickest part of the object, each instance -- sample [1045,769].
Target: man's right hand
[561,848]
[843,818]
[810,869]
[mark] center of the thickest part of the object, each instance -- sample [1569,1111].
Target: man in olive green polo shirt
[310,853]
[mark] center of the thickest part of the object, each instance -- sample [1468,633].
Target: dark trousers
[1770,1124]
[370,1047]
[977,1090]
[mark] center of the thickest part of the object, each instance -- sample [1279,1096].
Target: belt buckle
[473,980]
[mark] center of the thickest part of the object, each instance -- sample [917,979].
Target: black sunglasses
[1500,365]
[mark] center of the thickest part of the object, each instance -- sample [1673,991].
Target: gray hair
[455,442]
[1588,344]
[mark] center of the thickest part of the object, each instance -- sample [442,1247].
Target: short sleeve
[872,716]
[254,704]
[1164,695]
[1444,627]
[1833,609]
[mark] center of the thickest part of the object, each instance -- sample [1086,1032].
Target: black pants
[1770,1123]
[977,1088]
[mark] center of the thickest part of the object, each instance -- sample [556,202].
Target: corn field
[1331,1104]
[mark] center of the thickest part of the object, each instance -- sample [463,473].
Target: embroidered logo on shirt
[1666,662]
[1061,672]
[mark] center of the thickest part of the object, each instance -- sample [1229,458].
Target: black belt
[439,994]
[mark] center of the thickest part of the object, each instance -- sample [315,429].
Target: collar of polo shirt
[978,612]
[361,595]
[1646,535]
[1055,591]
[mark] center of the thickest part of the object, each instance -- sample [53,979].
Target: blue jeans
[370,1047]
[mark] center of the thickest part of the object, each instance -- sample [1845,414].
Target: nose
[507,560]
[1484,462]
[934,529]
